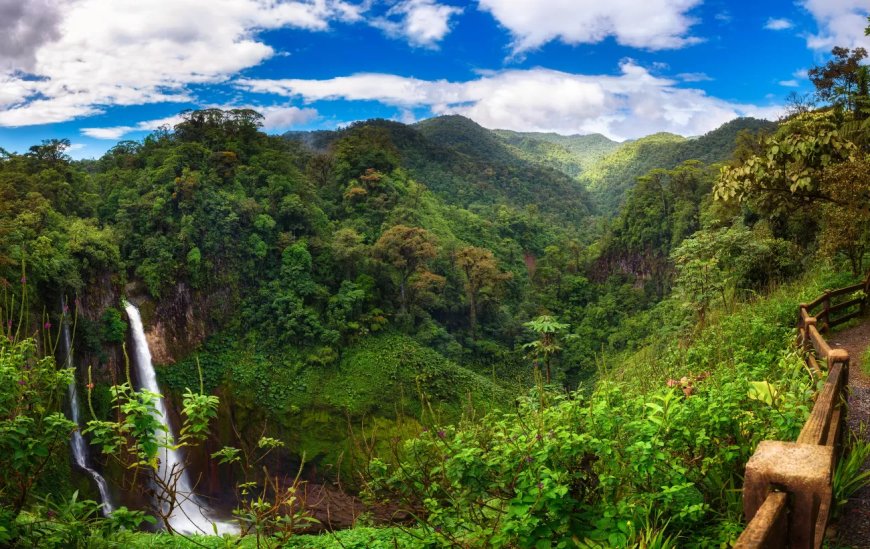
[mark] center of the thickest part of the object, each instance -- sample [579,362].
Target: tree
[839,81]
[407,250]
[547,328]
[33,431]
[847,230]
[482,279]
[787,173]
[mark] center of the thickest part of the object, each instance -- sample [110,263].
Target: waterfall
[191,515]
[79,445]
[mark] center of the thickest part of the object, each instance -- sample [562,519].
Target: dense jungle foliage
[516,340]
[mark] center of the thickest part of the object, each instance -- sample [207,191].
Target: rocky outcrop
[176,324]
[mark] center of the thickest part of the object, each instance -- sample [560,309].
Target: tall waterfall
[190,516]
[79,445]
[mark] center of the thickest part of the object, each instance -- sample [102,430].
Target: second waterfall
[191,515]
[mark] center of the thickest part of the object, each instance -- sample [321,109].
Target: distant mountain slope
[470,166]
[570,154]
[610,178]
[566,177]
[481,168]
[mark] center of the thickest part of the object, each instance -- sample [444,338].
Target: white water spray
[190,516]
[79,445]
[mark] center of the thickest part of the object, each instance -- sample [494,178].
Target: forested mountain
[571,154]
[611,176]
[468,166]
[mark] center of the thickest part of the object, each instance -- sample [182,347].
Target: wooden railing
[787,488]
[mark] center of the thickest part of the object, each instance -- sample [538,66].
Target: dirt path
[854,524]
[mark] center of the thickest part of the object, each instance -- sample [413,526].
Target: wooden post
[808,342]
[838,419]
[802,470]
[825,312]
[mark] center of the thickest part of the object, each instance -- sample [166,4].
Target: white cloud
[129,52]
[277,118]
[800,74]
[778,24]
[632,104]
[421,22]
[274,118]
[651,24]
[116,132]
[694,77]
[840,22]
[789,83]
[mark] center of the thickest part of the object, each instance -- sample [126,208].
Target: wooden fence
[787,488]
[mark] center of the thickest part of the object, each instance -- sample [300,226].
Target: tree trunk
[472,315]
[403,300]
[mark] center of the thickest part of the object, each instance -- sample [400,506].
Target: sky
[99,71]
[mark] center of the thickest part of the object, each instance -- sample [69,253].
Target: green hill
[469,166]
[570,154]
[610,178]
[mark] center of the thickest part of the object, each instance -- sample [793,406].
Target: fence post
[802,470]
[841,356]
[825,312]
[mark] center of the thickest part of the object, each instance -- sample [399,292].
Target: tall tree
[482,279]
[407,250]
[548,344]
[842,80]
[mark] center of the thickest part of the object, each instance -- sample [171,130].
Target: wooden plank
[816,428]
[846,318]
[847,290]
[819,344]
[844,305]
[818,301]
[814,364]
[768,528]
[805,317]
[833,438]
[822,521]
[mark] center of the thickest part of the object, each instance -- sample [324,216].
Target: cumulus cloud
[127,52]
[24,27]
[277,118]
[651,24]
[274,118]
[421,22]
[630,105]
[778,24]
[840,22]
[789,83]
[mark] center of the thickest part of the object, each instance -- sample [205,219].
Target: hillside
[468,166]
[609,178]
[570,154]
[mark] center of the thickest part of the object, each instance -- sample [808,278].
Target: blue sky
[98,71]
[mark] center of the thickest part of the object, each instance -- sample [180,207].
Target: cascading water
[79,445]
[190,516]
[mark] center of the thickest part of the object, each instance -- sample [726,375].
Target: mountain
[609,178]
[570,154]
[468,166]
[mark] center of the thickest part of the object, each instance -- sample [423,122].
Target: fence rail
[787,486]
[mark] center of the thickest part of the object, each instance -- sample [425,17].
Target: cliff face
[176,324]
